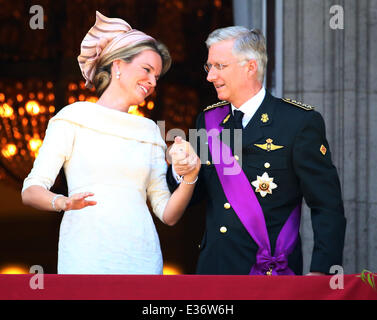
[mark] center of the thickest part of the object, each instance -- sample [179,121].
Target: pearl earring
[118,75]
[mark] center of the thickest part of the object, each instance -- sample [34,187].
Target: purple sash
[247,208]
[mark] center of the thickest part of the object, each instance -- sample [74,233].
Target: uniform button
[267,165]
[223,229]
[236,157]
[208,162]
[227,205]
[199,246]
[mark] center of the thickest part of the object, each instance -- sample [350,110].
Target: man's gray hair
[248,44]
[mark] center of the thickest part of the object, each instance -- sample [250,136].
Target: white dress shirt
[250,106]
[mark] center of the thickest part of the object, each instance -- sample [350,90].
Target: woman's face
[138,78]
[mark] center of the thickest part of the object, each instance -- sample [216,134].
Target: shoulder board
[218,104]
[299,104]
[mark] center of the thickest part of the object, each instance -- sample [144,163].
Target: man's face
[230,82]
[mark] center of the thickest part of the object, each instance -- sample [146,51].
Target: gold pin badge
[323,149]
[226,119]
[268,146]
[264,118]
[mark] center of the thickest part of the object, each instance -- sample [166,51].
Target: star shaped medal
[264,184]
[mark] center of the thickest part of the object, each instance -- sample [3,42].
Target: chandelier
[25,109]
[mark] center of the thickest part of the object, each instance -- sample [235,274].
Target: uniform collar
[251,106]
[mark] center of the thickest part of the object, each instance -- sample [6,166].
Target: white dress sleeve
[157,190]
[55,150]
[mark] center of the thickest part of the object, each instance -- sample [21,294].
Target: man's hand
[184,158]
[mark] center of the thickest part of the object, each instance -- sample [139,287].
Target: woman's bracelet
[53,202]
[185,182]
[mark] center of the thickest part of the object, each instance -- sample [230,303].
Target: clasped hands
[184,159]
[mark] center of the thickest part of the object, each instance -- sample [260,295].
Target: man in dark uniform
[284,157]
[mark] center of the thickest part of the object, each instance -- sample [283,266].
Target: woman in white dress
[114,161]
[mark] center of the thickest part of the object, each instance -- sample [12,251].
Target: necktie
[238,115]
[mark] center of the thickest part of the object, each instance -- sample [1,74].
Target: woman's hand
[186,163]
[75,202]
[184,159]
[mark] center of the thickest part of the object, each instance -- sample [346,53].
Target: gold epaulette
[299,104]
[218,104]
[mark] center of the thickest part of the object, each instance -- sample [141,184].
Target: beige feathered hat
[107,35]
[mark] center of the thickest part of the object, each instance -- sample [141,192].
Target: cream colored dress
[121,159]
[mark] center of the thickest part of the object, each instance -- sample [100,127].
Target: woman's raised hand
[75,202]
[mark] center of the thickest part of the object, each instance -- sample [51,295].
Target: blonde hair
[102,77]
[248,44]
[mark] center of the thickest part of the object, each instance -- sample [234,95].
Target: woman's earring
[118,74]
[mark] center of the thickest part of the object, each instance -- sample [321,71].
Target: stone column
[336,71]
[250,13]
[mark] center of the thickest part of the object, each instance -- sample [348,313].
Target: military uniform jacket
[285,140]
